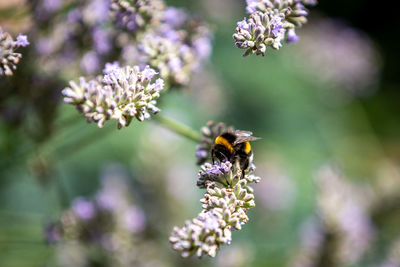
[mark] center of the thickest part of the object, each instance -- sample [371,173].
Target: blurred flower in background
[110,225]
[343,232]
[344,208]
[236,255]
[340,56]
[276,191]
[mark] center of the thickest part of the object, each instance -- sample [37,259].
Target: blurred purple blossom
[74,15]
[251,6]
[343,208]
[90,62]
[174,17]
[135,219]
[276,191]
[339,56]
[52,233]
[202,47]
[171,34]
[97,11]
[292,37]
[44,46]
[51,5]
[102,41]
[175,64]
[201,154]
[83,208]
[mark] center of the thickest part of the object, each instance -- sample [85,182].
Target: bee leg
[213,156]
[245,164]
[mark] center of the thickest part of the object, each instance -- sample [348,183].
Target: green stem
[178,128]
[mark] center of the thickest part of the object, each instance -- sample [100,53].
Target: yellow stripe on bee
[247,148]
[222,141]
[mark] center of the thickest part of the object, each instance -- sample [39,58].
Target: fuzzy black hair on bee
[234,147]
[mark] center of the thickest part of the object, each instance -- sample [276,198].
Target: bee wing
[242,139]
[243,133]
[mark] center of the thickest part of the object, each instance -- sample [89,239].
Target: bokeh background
[326,109]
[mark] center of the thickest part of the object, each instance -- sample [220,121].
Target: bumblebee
[235,147]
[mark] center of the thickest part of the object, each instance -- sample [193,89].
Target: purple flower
[99,10]
[52,233]
[74,15]
[171,34]
[175,64]
[113,75]
[243,24]
[135,219]
[174,16]
[184,49]
[159,84]
[251,6]
[218,169]
[201,154]
[90,62]
[22,40]
[51,5]
[277,24]
[102,42]
[226,166]
[292,37]
[45,46]
[148,73]
[111,67]
[83,208]
[202,47]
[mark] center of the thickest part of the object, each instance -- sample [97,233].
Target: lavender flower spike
[225,203]
[8,57]
[137,15]
[121,94]
[268,24]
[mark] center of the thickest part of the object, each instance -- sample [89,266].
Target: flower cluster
[326,43]
[137,15]
[132,32]
[209,132]
[225,203]
[121,94]
[344,218]
[109,224]
[270,21]
[344,209]
[8,57]
[78,39]
[177,47]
